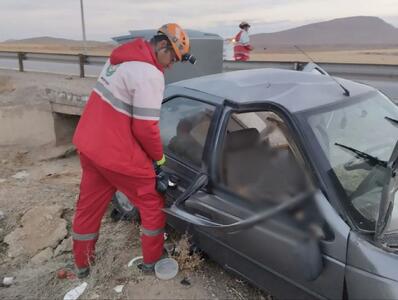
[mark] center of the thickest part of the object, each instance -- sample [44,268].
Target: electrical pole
[83,27]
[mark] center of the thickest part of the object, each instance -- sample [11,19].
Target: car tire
[123,209]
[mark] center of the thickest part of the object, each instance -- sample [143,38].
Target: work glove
[162,181]
[161,161]
[162,178]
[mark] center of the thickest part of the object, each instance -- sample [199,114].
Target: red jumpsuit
[241,50]
[118,138]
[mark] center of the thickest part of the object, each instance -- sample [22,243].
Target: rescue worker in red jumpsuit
[242,47]
[118,139]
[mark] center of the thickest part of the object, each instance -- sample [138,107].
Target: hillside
[344,33]
[46,40]
[57,45]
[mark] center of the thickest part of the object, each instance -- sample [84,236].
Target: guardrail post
[21,57]
[82,61]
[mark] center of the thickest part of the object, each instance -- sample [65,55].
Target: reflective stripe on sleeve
[149,232]
[121,106]
[146,113]
[84,237]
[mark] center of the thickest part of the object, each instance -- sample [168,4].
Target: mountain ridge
[48,40]
[350,32]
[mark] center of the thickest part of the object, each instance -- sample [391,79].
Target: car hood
[387,222]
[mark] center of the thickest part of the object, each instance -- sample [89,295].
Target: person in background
[242,47]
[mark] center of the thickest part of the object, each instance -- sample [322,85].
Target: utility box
[206,47]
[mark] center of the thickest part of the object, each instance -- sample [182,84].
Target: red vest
[118,129]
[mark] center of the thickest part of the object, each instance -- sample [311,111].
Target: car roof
[295,90]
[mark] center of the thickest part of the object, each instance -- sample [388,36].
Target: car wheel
[123,209]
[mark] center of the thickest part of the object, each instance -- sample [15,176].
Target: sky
[104,18]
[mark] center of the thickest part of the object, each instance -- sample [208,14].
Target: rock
[118,289]
[63,151]
[68,152]
[185,281]
[20,175]
[92,296]
[75,293]
[65,246]
[7,281]
[61,274]
[2,180]
[2,215]
[41,227]
[42,256]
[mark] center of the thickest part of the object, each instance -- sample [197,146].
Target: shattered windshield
[356,139]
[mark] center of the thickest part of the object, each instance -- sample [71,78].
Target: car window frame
[230,108]
[334,188]
[210,132]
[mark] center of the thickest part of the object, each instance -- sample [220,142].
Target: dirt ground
[44,176]
[359,56]
[92,48]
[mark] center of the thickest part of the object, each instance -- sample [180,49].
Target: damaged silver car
[287,179]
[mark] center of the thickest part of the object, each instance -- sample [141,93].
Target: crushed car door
[263,207]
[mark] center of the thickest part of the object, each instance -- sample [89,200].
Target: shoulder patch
[111,70]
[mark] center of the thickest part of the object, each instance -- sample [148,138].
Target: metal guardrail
[80,59]
[384,71]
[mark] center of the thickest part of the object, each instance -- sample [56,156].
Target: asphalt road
[389,86]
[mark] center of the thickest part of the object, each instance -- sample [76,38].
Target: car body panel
[364,285]
[365,255]
[243,251]
[296,91]
[371,271]
[262,254]
[270,248]
[335,247]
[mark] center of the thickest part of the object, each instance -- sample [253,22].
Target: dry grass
[102,50]
[6,85]
[364,56]
[187,260]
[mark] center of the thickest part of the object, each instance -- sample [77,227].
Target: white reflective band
[146,112]
[152,232]
[130,110]
[118,104]
[84,237]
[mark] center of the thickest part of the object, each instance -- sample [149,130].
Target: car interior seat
[239,163]
[258,171]
[184,145]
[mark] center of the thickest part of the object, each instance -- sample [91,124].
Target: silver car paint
[372,272]
[369,271]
